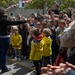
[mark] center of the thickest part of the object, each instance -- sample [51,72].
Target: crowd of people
[44,39]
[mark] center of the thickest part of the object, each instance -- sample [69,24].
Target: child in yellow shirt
[37,50]
[16,41]
[47,48]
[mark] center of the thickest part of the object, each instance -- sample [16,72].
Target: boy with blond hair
[47,48]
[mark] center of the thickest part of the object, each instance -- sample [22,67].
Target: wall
[24,12]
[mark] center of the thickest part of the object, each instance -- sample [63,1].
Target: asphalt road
[16,69]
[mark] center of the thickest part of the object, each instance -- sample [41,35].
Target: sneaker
[6,70]
[19,59]
[12,57]
[31,61]
[33,72]
[24,57]
[16,59]
[32,65]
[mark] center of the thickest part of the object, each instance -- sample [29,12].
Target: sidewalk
[25,63]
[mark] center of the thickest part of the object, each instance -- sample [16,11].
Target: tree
[67,3]
[41,4]
[6,3]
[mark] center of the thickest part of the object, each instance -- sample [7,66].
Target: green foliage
[41,4]
[49,3]
[6,3]
[67,3]
[3,3]
[11,2]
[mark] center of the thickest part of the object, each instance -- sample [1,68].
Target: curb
[21,64]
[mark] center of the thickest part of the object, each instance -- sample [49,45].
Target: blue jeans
[4,46]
